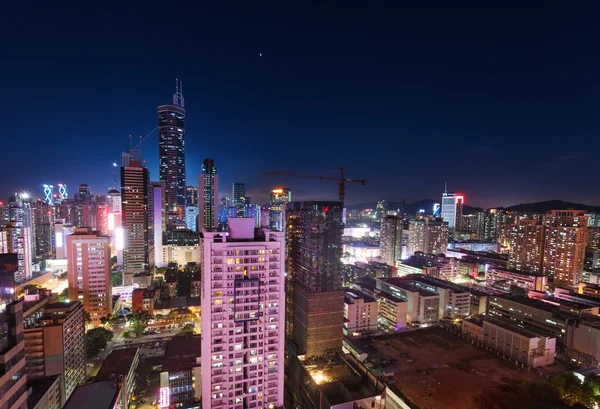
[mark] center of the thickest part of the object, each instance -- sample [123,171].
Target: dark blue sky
[502,103]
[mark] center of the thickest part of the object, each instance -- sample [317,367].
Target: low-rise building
[180,377]
[422,305]
[120,367]
[496,276]
[360,313]
[391,311]
[143,299]
[527,347]
[104,395]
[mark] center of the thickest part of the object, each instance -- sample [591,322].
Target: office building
[55,345]
[18,241]
[527,246]
[159,220]
[452,210]
[238,197]
[208,199]
[427,235]
[136,195]
[113,200]
[120,367]
[390,241]
[564,245]
[191,217]
[279,198]
[243,317]
[89,274]
[12,356]
[171,156]
[191,196]
[360,314]
[180,378]
[42,233]
[315,295]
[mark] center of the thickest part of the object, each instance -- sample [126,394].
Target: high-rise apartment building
[564,245]
[280,197]
[135,198]
[390,241]
[13,382]
[527,246]
[238,197]
[55,345]
[428,235]
[208,196]
[171,155]
[191,196]
[44,219]
[243,301]
[113,200]
[315,295]
[18,241]
[21,211]
[88,274]
[452,210]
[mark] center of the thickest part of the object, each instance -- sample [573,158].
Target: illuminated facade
[113,200]
[427,235]
[18,241]
[526,243]
[452,210]
[171,155]
[49,194]
[238,197]
[159,221]
[279,198]
[88,274]
[208,191]
[564,247]
[390,240]
[191,196]
[243,320]
[12,355]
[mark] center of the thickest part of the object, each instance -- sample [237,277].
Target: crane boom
[341,181]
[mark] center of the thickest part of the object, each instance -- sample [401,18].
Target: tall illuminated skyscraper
[18,241]
[243,306]
[208,196]
[452,210]
[171,155]
[238,197]
[390,242]
[279,198]
[135,197]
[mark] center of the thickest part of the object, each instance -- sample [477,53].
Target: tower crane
[341,181]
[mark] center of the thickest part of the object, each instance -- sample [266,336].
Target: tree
[88,317]
[125,334]
[96,340]
[117,278]
[141,316]
[64,295]
[30,287]
[103,320]
[139,328]
[188,328]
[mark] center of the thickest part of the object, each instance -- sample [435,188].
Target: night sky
[501,103]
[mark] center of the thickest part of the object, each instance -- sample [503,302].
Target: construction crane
[341,181]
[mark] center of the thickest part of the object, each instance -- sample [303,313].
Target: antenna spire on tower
[178,96]
[445,187]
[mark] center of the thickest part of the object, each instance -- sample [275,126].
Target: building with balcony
[360,313]
[243,317]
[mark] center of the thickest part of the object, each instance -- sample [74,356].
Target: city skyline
[248,83]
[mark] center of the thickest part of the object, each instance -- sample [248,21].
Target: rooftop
[409,285]
[352,295]
[518,272]
[531,302]
[97,395]
[181,353]
[116,364]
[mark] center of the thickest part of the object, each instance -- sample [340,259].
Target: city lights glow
[111,221]
[119,238]
[59,239]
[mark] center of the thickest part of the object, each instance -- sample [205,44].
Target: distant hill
[543,207]
[537,207]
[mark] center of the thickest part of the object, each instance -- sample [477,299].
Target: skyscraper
[18,241]
[88,272]
[171,155]
[390,241]
[208,196]
[279,198]
[159,220]
[12,357]
[114,200]
[135,195]
[238,197]
[44,219]
[526,243]
[315,296]
[243,301]
[191,196]
[452,210]
[565,241]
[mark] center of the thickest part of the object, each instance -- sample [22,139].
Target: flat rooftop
[97,395]
[409,285]
[181,353]
[432,366]
[518,272]
[118,363]
[531,302]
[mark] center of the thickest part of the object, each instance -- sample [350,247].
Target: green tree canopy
[96,340]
